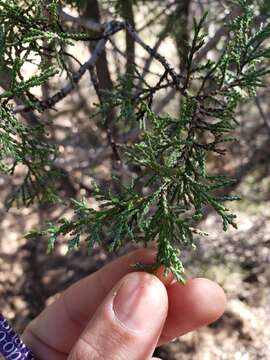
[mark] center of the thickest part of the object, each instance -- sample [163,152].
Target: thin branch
[156,17]
[211,44]
[146,47]
[85,23]
[159,41]
[111,28]
[161,59]
[110,137]
[103,153]
[67,89]
[136,65]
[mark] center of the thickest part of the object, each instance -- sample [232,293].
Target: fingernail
[138,302]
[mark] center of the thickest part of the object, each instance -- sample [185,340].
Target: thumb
[128,323]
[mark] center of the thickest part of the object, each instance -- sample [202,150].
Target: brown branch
[161,59]
[211,44]
[128,15]
[163,34]
[103,153]
[102,80]
[85,23]
[5,81]
[156,17]
[111,28]
[110,137]
[136,65]
[146,47]
[67,89]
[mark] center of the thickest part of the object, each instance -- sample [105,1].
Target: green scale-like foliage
[170,151]
[21,145]
[25,25]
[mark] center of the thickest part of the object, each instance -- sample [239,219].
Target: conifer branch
[67,89]
[170,152]
[110,28]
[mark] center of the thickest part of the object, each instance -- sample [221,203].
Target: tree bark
[128,15]
[92,12]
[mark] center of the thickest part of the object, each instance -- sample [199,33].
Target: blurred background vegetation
[238,259]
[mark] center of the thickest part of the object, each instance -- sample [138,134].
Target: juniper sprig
[171,152]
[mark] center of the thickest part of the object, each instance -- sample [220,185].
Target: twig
[161,59]
[222,31]
[156,17]
[87,24]
[110,137]
[111,28]
[122,54]
[67,89]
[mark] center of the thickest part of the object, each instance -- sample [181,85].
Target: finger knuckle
[87,350]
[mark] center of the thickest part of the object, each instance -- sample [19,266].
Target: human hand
[118,314]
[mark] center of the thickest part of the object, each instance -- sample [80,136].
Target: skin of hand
[119,314]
